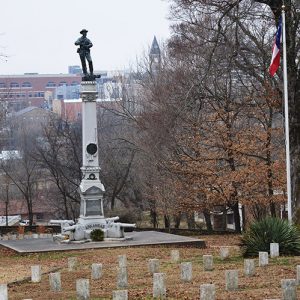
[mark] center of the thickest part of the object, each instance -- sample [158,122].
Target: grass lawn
[265,284]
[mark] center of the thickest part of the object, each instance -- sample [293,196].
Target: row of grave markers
[207,291]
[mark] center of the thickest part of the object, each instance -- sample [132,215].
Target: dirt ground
[265,284]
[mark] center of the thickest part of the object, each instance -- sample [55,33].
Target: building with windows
[33,89]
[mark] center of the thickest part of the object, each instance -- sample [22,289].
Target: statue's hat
[83,30]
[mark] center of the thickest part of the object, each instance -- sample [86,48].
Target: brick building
[32,89]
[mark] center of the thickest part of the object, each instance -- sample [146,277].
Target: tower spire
[155,56]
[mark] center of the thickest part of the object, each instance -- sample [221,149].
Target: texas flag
[275,62]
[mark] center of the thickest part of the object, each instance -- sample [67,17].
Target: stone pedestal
[83,289]
[186,271]
[159,286]
[207,292]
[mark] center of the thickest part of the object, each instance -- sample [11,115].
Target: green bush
[271,230]
[97,235]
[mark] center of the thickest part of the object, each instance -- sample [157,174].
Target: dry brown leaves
[265,284]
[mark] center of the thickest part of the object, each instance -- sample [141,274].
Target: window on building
[51,84]
[2,85]
[14,85]
[74,83]
[26,84]
[62,83]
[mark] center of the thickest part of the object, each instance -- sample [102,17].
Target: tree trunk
[153,217]
[190,218]
[206,214]
[6,212]
[177,219]
[167,221]
[236,216]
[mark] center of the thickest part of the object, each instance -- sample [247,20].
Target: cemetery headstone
[55,282]
[83,289]
[289,289]
[207,292]
[263,259]
[153,265]
[274,250]
[72,263]
[3,292]
[122,281]
[249,267]
[208,262]
[96,271]
[122,261]
[120,295]
[175,256]
[186,271]
[231,280]
[159,286]
[224,253]
[36,273]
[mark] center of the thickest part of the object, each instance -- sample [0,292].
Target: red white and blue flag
[275,61]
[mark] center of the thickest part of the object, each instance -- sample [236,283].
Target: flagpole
[286,117]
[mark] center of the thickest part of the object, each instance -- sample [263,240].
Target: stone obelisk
[91,188]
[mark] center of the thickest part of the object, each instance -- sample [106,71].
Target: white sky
[39,35]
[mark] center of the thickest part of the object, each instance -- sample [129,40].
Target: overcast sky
[39,35]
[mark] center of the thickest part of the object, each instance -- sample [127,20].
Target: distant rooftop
[39,75]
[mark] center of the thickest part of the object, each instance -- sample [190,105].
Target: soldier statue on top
[84,53]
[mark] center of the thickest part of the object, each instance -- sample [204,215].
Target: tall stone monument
[91,188]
